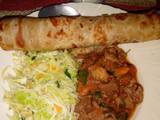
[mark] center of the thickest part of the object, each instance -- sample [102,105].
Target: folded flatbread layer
[23,33]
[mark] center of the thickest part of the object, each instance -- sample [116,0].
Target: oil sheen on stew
[108,88]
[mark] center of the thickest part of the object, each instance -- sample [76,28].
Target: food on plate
[42,86]
[98,83]
[22,33]
[107,86]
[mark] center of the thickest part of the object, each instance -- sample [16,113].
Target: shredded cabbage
[43,86]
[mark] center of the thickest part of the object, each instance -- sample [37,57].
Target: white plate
[146,57]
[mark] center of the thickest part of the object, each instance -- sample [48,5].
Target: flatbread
[83,51]
[23,33]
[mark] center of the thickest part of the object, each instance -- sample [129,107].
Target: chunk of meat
[129,104]
[90,60]
[124,80]
[85,89]
[87,110]
[99,73]
[132,71]
[96,114]
[121,71]
[110,116]
[85,104]
[137,93]
[109,89]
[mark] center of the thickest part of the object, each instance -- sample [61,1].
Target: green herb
[110,109]
[123,116]
[32,112]
[98,94]
[122,103]
[67,73]
[111,72]
[128,51]
[83,75]
[58,84]
[22,118]
[33,58]
[26,52]
[102,104]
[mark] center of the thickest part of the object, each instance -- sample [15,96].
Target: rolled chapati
[24,33]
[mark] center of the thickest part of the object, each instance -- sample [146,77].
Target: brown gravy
[108,88]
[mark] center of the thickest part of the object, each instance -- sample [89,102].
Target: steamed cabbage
[42,86]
